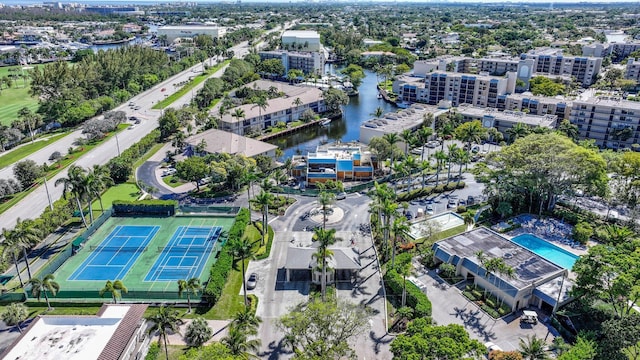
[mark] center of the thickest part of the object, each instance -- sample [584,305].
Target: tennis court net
[117,249]
[185,249]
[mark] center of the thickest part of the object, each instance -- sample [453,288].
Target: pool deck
[552,230]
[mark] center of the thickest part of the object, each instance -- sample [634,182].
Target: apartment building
[552,62]
[457,88]
[308,62]
[505,120]
[338,161]
[282,109]
[612,123]
[621,51]
[535,105]
[632,72]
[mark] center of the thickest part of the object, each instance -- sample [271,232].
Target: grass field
[28,149]
[126,191]
[14,98]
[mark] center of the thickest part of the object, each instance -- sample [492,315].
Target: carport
[301,265]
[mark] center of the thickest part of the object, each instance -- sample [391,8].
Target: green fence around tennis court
[91,295]
[204,210]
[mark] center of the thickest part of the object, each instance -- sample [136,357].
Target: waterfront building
[284,109]
[535,105]
[308,62]
[337,161]
[301,40]
[612,123]
[505,120]
[411,118]
[535,282]
[223,142]
[479,90]
[188,31]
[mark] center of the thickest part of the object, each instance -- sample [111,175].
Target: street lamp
[46,188]
[117,142]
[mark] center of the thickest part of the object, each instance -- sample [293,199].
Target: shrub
[461,209]
[220,269]
[55,156]
[154,351]
[582,232]
[152,207]
[415,299]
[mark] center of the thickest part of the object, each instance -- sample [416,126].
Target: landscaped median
[25,150]
[190,85]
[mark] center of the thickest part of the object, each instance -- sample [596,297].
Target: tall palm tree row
[263,200]
[400,229]
[75,185]
[115,288]
[98,180]
[22,237]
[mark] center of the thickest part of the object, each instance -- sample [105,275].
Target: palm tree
[389,210]
[404,269]
[116,288]
[518,130]
[378,112]
[446,131]
[238,343]
[566,128]
[15,314]
[164,320]
[440,157]
[325,199]
[424,166]
[97,180]
[191,286]
[238,113]
[263,200]
[408,138]
[424,133]
[23,237]
[452,151]
[11,248]
[297,102]
[324,238]
[74,184]
[469,220]
[392,139]
[410,163]
[400,228]
[40,287]
[246,320]
[400,170]
[533,348]
[242,249]
[261,103]
[471,132]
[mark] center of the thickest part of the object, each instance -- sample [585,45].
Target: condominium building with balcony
[535,105]
[284,109]
[504,120]
[302,40]
[308,62]
[612,123]
[553,62]
[632,71]
[438,86]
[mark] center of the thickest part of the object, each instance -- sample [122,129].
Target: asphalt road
[36,202]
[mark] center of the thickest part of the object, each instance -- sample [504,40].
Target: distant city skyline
[148,2]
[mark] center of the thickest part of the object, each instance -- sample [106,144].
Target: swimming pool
[556,255]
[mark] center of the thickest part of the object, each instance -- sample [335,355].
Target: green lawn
[190,85]
[126,191]
[28,149]
[14,98]
[173,181]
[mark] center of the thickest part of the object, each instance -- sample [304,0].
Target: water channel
[354,114]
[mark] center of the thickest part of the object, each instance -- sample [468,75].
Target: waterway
[345,129]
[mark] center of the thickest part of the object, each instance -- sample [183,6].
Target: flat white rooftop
[301,34]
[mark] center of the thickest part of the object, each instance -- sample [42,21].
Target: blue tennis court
[186,254]
[113,258]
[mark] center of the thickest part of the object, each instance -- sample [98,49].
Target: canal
[346,129]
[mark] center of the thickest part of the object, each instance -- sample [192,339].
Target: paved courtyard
[451,307]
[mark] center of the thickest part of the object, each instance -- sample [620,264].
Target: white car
[341,196]
[492,347]
[452,203]
[430,209]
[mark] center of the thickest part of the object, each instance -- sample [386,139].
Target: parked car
[252,281]
[341,196]
[452,203]
[492,347]
[169,171]
[470,200]
[430,209]
[138,121]
[132,126]
[408,215]
[462,202]
[133,118]
[137,108]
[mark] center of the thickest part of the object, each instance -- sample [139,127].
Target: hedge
[416,299]
[145,207]
[221,268]
[267,251]
[428,190]
[154,351]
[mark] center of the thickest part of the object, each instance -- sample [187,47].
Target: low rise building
[285,109]
[411,118]
[308,62]
[338,161]
[223,142]
[505,120]
[612,123]
[536,281]
[117,332]
[188,31]
[535,105]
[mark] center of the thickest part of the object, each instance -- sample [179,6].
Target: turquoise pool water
[556,255]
